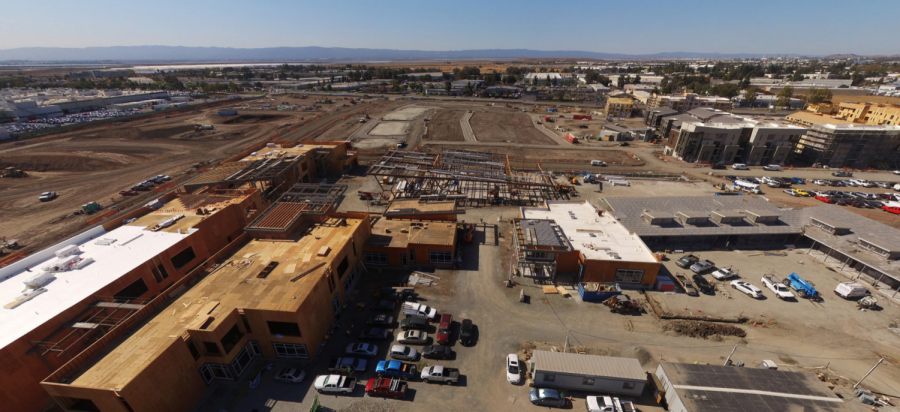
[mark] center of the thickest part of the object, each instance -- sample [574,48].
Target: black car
[731,178]
[415,323]
[718,166]
[687,261]
[466,332]
[384,305]
[373,334]
[624,144]
[436,352]
[703,284]
[842,173]
[381,320]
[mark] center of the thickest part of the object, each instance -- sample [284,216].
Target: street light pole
[869,372]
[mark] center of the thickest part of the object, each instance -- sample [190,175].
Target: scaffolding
[537,242]
[472,178]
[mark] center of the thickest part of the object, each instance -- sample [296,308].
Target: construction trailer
[470,178]
[588,373]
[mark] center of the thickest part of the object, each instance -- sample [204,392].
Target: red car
[891,209]
[443,335]
[825,199]
[386,387]
[129,193]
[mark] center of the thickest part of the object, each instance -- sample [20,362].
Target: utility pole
[566,348]
[868,373]
[728,361]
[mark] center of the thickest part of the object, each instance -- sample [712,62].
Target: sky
[726,26]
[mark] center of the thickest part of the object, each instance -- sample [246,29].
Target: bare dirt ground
[444,126]
[491,126]
[577,158]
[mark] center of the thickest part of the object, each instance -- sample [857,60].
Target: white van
[598,163]
[851,290]
[773,168]
[748,186]
[739,166]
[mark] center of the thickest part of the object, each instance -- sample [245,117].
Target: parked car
[367,350]
[841,173]
[128,193]
[772,168]
[621,143]
[348,366]
[439,373]
[384,306]
[290,375]
[415,337]
[703,284]
[851,290]
[820,182]
[791,192]
[47,196]
[883,185]
[163,177]
[891,209]
[803,193]
[396,369]
[381,320]
[777,286]
[373,334]
[437,352]
[404,352]
[414,323]
[140,188]
[443,334]
[420,310]
[401,144]
[702,266]
[513,374]
[718,166]
[336,384]
[739,166]
[548,397]
[750,290]
[724,273]
[466,332]
[687,261]
[386,387]
[731,178]
[825,199]
[797,180]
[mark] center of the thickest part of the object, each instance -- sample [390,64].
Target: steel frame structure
[302,199]
[483,178]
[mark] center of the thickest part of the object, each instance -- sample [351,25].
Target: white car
[291,375]
[724,273]
[739,166]
[896,172]
[752,291]
[404,352]
[513,374]
[775,285]
[819,182]
[791,192]
[413,336]
[366,350]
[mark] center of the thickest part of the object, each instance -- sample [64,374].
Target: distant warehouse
[588,373]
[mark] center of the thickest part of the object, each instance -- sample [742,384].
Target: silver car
[702,266]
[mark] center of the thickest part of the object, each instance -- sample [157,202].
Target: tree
[816,96]
[750,95]
[857,79]
[621,82]
[784,97]
[447,86]
[534,81]
[637,79]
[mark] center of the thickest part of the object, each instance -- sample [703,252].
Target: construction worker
[601,186]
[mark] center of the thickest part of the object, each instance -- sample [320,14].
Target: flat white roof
[133,247]
[596,237]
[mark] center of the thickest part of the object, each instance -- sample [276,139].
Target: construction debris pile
[703,330]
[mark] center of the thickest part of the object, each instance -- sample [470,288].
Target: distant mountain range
[225,54]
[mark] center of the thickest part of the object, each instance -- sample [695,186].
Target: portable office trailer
[588,373]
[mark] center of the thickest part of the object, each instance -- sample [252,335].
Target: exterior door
[403,261]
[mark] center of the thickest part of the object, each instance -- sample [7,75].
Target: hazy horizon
[768,27]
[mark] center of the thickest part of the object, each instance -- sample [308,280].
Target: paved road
[468,133]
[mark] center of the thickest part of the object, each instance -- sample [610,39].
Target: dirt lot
[444,126]
[491,126]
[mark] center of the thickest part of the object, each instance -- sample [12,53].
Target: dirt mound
[636,352]
[55,163]
[703,329]
[135,133]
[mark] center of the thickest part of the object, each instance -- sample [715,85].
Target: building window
[549,378]
[376,258]
[183,258]
[211,348]
[628,385]
[874,249]
[290,350]
[588,381]
[193,349]
[159,273]
[212,371]
[629,276]
[440,257]
[284,328]
[412,255]
[330,282]
[342,268]
[231,339]
[350,280]
[539,255]
[133,291]
[243,358]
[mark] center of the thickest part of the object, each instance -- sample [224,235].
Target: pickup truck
[440,374]
[776,285]
[851,290]
[386,387]
[336,384]
[420,310]
[348,366]
[608,404]
[687,261]
[689,288]
[396,369]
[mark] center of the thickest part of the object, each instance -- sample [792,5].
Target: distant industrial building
[547,77]
[765,100]
[688,101]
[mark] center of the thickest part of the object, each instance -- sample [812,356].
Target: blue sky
[650,26]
